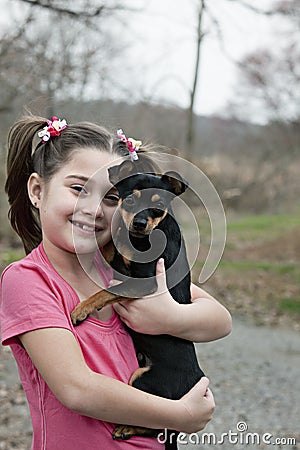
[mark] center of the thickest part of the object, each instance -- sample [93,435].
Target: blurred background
[219,80]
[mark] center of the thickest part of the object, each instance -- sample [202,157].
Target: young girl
[75,378]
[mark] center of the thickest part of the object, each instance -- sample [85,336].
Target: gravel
[254,376]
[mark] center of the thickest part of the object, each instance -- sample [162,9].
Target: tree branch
[50,6]
[254,9]
[6,41]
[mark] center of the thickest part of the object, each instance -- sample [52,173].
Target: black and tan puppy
[169,366]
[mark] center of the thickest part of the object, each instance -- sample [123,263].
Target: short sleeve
[31,299]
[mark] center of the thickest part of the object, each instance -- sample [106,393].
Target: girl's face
[77,205]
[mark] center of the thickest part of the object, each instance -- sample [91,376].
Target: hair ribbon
[132,145]
[53,128]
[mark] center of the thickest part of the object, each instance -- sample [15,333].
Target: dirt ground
[15,425]
[256,292]
[254,375]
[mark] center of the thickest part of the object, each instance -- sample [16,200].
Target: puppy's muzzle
[139,224]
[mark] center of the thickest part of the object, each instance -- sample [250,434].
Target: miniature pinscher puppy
[168,365]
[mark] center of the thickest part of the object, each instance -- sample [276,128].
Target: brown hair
[25,157]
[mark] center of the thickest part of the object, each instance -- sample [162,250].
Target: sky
[163,50]
[160,56]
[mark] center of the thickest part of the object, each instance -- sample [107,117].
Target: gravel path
[255,378]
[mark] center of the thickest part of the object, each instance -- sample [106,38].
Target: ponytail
[23,215]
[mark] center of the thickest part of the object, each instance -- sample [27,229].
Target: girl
[75,379]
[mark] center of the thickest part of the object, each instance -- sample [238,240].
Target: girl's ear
[34,188]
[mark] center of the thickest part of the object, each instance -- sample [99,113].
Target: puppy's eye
[129,201]
[160,205]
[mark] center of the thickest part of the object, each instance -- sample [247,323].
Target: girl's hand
[202,320]
[153,314]
[198,406]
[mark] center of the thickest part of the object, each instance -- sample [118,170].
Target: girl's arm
[57,356]
[203,320]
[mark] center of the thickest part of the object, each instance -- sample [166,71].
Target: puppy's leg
[125,432]
[128,290]
[96,301]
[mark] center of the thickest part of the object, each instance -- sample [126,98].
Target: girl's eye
[78,188]
[112,198]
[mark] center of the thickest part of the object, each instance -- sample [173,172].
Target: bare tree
[190,112]
[11,55]
[269,90]
[80,10]
[208,21]
[271,82]
[273,75]
[56,52]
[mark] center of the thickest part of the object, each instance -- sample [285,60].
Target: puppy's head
[144,198]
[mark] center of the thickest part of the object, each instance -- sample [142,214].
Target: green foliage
[259,274]
[290,305]
[277,268]
[10,255]
[263,226]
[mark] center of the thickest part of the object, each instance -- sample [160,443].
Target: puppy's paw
[79,314]
[125,432]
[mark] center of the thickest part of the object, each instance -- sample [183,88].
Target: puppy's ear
[177,184]
[119,173]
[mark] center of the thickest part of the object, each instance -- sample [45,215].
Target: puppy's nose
[139,223]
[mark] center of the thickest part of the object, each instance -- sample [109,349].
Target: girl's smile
[87,228]
[77,205]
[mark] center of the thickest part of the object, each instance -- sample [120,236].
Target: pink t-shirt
[33,296]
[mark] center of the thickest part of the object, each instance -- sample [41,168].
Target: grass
[292,269]
[265,222]
[259,274]
[290,305]
[10,255]
[262,226]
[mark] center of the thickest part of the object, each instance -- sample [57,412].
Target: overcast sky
[160,59]
[163,53]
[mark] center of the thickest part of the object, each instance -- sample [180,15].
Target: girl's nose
[94,209]
[99,211]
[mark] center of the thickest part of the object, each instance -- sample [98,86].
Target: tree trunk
[190,134]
